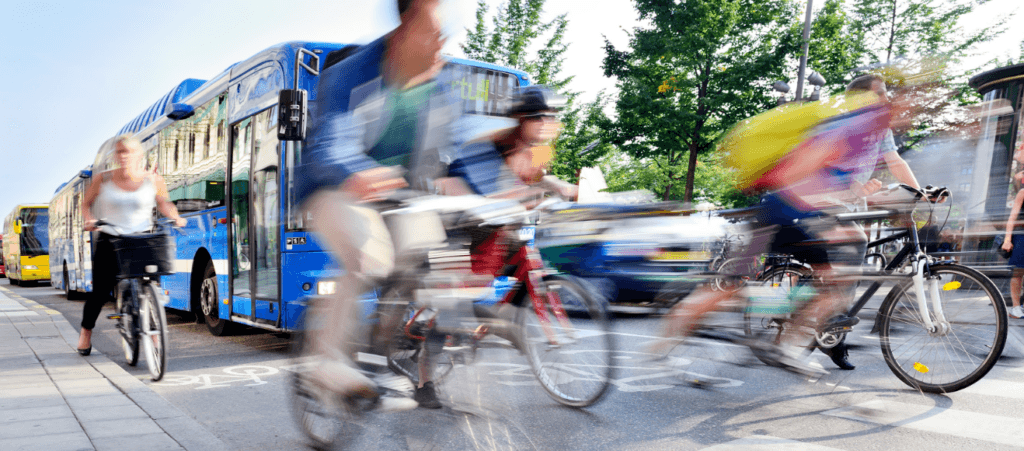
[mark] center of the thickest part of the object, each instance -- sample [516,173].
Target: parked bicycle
[141,319]
[431,315]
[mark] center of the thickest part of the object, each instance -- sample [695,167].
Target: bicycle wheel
[571,356]
[128,323]
[743,267]
[321,422]
[153,327]
[768,309]
[964,349]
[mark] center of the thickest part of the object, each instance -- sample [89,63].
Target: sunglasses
[541,116]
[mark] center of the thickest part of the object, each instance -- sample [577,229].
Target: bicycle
[142,259]
[974,331]
[430,317]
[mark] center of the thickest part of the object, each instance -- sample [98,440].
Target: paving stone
[86,387]
[155,405]
[77,372]
[88,402]
[39,428]
[191,435]
[124,427]
[75,441]
[110,413]
[153,442]
[35,413]
[20,361]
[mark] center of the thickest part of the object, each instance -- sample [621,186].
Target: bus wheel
[68,292]
[15,282]
[208,302]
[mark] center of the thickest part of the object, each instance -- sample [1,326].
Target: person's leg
[104,279]
[685,315]
[359,241]
[1015,291]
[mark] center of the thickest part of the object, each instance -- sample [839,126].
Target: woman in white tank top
[125,198]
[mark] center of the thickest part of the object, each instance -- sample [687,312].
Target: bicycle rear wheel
[153,328]
[947,360]
[128,323]
[571,357]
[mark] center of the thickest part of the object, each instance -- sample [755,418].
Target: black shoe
[86,351]
[427,397]
[840,355]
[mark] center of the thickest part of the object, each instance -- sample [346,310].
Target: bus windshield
[35,232]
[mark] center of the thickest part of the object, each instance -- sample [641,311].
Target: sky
[73,72]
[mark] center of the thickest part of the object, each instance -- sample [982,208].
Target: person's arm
[163,203]
[91,192]
[900,169]
[1011,221]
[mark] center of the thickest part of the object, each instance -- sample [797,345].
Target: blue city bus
[70,245]
[244,256]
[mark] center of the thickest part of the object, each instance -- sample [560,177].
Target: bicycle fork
[530,270]
[939,326]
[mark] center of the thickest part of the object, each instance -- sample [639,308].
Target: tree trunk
[691,171]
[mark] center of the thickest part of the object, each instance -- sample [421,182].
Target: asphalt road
[237,386]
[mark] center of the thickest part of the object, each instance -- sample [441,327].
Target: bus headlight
[326,287]
[32,267]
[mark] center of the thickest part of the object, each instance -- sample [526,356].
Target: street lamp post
[803,56]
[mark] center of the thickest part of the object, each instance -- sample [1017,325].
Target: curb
[182,428]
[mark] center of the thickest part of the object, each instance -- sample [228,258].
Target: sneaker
[338,377]
[791,358]
[427,397]
[396,404]
[1016,312]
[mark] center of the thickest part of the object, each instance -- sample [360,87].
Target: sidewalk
[53,399]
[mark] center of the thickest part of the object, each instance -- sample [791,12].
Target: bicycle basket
[150,254]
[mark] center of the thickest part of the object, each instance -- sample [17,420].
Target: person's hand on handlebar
[90,225]
[371,184]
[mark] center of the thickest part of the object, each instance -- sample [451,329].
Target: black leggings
[104,280]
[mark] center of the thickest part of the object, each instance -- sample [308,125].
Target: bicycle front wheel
[128,323]
[153,328]
[570,354]
[963,348]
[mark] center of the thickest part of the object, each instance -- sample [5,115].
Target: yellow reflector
[950,286]
[920,367]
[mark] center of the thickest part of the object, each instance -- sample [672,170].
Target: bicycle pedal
[114,316]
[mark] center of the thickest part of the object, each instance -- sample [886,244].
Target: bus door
[255,226]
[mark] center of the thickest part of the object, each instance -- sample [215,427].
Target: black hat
[532,99]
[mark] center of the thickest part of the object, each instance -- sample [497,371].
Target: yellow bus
[26,244]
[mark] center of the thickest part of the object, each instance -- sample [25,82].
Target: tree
[702,67]
[888,29]
[512,41]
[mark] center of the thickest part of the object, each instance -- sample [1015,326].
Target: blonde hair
[129,141]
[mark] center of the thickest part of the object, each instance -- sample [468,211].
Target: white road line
[996,387]
[767,443]
[940,420]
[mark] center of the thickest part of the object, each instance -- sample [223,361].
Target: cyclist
[864,185]
[804,185]
[507,162]
[124,198]
[396,136]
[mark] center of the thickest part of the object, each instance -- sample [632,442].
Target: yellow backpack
[755,145]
